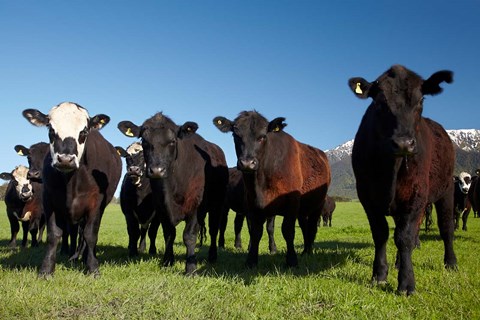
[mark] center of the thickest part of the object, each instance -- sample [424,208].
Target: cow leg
[133,233]
[213,222]
[33,233]
[190,240]
[41,228]
[14,228]
[25,233]
[379,228]
[465,218]
[223,227]
[456,218]
[169,233]
[152,235]
[238,224]
[405,239]
[90,236]
[142,246]
[256,230]
[272,247]
[288,231]
[445,225]
[54,233]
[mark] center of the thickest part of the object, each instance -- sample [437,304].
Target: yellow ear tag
[20,153]
[118,151]
[219,121]
[358,89]
[102,121]
[129,132]
[277,128]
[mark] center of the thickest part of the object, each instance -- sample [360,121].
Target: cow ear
[121,152]
[21,150]
[35,117]
[188,128]
[99,121]
[276,125]
[129,129]
[360,87]
[223,124]
[432,85]
[6,176]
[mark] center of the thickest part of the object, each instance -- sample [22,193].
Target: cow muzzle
[250,164]
[404,146]
[65,162]
[34,175]
[157,172]
[134,171]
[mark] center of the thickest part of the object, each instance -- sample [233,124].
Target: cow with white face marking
[33,210]
[19,191]
[461,205]
[80,175]
[136,201]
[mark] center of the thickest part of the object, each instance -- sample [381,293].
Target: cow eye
[262,138]
[171,143]
[83,135]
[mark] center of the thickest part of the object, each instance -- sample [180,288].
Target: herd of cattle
[403,163]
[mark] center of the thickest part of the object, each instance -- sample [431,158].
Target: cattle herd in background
[403,163]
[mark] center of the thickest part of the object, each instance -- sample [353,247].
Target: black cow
[327,211]
[402,161]
[282,176]
[474,194]
[188,176]
[235,200]
[19,191]
[136,201]
[461,205]
[80,175]
[34,208]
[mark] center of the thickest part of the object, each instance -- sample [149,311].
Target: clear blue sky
[195,60]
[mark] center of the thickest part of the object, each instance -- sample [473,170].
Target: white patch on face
[20,176]
[134,148]
[464,182]
[68,120]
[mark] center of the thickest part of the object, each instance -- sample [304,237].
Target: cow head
[463,181]
[160,137]
[135,161]
[398,103]
[20,181]
[250,134]
[35,155]
[68,127]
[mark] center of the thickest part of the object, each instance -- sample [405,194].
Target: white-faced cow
[19,191]
[235,200]
[402,161]
[80,175]
[474,194]
[33,210]
[282,176]
[136,201]
[461,205]
[188,176]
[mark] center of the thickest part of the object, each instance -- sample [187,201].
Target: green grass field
[333,282]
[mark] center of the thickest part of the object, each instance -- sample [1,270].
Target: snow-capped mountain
[466,139]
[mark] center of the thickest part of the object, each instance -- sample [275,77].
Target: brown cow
[401,162]
[282,176]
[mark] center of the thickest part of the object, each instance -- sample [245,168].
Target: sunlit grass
[332,283]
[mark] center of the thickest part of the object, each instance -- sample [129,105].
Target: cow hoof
[45,275]
[273,250]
